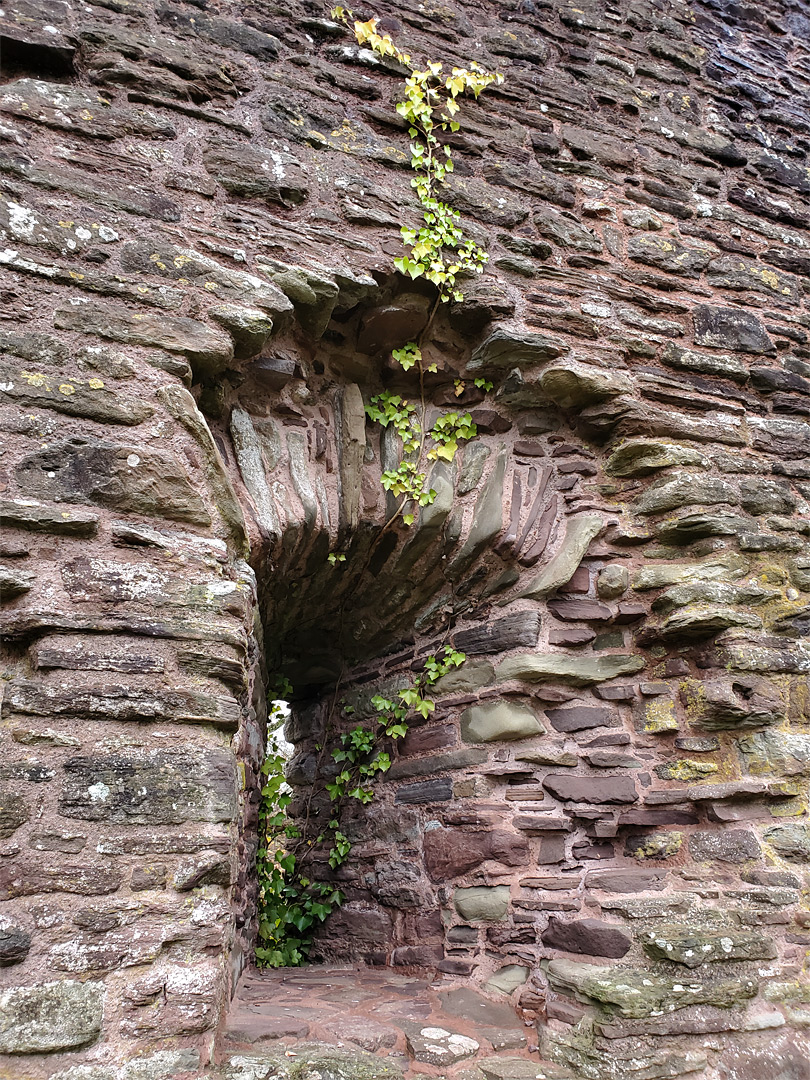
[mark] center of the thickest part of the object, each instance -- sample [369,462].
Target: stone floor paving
[355,1023]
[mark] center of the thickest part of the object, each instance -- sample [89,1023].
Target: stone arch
[500,534]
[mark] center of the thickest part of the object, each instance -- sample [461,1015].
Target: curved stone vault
[605,822]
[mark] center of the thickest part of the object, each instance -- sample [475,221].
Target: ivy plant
[438,251]
[291,903]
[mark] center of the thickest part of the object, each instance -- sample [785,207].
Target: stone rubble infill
[354,1023]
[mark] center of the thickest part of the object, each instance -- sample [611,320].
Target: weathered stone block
[640,457]
[482,903]
[256,171]
[577,670]
[71,396]
[51,1016]
[15,943]
[121,703]
[693,947]
[154,787]
[730,328]
[582,717]
[637,994]
[34,517]
[128,478]
[579,532]
[657,845]
[31,878]
[426,791]
[729,846]
[499,721]
[588,936]
[574,385]
[592,789]
[506,348]
[624,880]
[449,853]
[14,812]
[790,840]
[200,343]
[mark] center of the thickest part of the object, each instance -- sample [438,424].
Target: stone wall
[606,817]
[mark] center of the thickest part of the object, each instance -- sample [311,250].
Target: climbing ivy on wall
[291,902]
[438,251]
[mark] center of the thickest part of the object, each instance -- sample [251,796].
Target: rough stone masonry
[607,816]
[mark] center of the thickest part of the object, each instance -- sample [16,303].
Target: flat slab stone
[511,1069]
[315,1062]
[438,1046]
[576,670]
[252,1028]
[467,1004]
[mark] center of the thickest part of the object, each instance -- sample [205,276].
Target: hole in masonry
[314,801]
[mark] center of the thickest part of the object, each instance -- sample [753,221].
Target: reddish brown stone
[575,610]
[592,789]
[449,853]
[581,717]
[626,881]
[588,936]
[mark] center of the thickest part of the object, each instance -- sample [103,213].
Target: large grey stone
[730,328]
[73,109]
[71,395]
[250,328]
[744,702]
[706,363]
[34,517]
[15,943]
[120,703]
[722,568]
[256,172]
[579,532]
[576,670]
[790,840]
[317,1061]
[164,1065]
[693,946]
[202,344]
[667,254]
[637,994]
[14,812]
[183,407]
[505,348]
[686,489]
[482,903]
[31,878]
[487,520]
[435,1045]
[114,475]
[499,720]
[729,846]
[187,266]
[14,582]
[154,787]
[574,385]
[775,752]
[639,457]
[50,1016]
